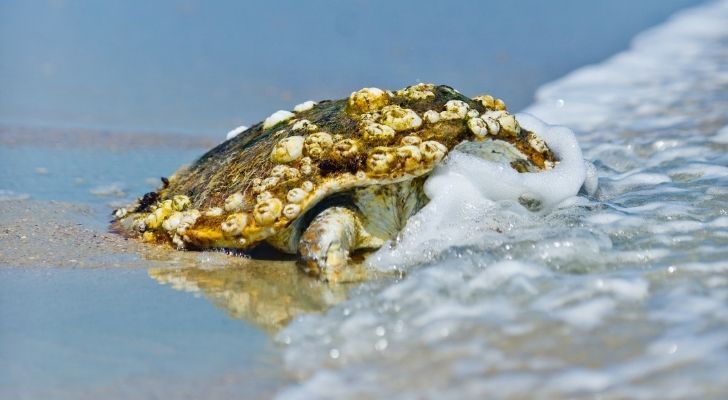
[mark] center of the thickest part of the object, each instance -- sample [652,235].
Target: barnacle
[287,150]
[316,145]
[267,211]
[368,99]
[400,119]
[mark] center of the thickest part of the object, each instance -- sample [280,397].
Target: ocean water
[621,294]
[616,293]
[203,67]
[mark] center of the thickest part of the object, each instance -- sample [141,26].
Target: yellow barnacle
[187,220]
[154,219]
[381,160]
[264,196]
[172,222]
[400,119]
[411,140]
[307,169]
[490,102]
[165,204]
[149,237]
[410,156]
[180,202]
[373,132]
[536,143]
[368,99]
[278,170]
[478,127]
[266,212]
[287,150]
[296,195]
[499,104]
[346,149]
[304,125]
[291,211]
[432,151]
[120,213]
[308,186]
[234,202]
[370,117]
[270,182]
[455,109]
[509,125]
[316,145]
[431,116]
[234,224]
[420,91]
[486,100]
[285,172]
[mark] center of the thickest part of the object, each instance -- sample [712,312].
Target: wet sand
[53,234]
[265,292]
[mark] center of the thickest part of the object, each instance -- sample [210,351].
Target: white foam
[721,136]
[472,199]
[496,181]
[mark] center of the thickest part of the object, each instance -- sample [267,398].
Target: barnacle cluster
[373,137]
[173,216]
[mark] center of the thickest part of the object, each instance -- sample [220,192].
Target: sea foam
[471,198]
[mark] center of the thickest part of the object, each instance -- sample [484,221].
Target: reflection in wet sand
[267,293]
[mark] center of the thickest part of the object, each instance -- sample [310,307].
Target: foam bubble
[496,181]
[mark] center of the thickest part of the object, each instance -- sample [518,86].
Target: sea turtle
[330,177]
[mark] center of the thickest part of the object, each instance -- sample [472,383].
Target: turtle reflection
[267,293]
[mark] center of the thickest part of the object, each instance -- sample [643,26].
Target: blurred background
[204,67]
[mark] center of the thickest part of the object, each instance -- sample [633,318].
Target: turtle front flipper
[325,245]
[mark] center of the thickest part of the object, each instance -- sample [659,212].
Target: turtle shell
[257,183]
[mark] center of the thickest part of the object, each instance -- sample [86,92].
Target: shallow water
[66,334]
[617,295]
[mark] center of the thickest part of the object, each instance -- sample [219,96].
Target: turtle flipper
[325,245]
